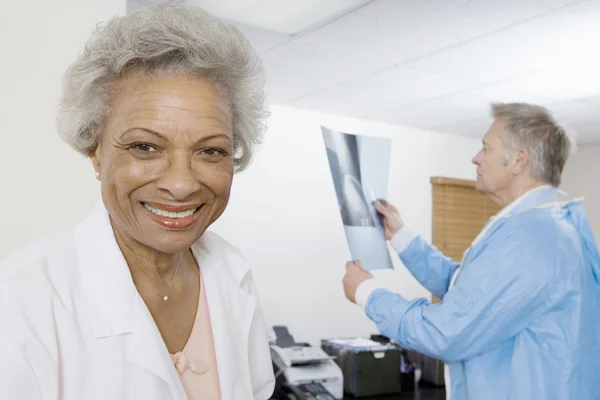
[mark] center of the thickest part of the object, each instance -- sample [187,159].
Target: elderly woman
[139,301]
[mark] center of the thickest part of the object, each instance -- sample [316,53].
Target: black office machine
[370,368]
[432,369]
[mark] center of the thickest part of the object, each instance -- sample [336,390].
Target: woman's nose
[179,179]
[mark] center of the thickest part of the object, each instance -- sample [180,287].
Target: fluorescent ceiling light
[285,16]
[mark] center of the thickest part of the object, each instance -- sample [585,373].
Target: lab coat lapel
[105,276]
[231,311]
[115,305]
[147,351]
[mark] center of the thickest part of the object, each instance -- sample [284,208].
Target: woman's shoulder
[40,289]
[38,269]
[32,253]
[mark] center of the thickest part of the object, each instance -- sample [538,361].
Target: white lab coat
[73,327]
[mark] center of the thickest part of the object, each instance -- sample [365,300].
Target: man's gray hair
[532,128]
[171,39]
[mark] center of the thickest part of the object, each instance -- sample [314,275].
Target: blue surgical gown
[523,318]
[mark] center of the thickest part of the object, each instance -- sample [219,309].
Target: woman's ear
[94,155]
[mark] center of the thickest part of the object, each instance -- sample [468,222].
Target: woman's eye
[212,153]
[144,148]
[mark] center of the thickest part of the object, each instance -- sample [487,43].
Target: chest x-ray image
[359,167]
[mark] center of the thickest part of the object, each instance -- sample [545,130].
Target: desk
[421,393]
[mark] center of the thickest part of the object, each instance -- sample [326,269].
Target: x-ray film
[359,167]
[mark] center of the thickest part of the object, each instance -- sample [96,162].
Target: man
[522,320]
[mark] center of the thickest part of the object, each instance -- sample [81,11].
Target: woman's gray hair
[172,39]
[532,128]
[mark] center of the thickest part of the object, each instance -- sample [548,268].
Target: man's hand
[391,219]
[355,275]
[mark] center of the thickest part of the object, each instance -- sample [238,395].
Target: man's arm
[427,264]
[509,284]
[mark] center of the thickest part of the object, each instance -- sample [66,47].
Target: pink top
[196,363]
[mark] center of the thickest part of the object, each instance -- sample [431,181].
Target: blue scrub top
[523,318]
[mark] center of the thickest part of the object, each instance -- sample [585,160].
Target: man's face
[494,166]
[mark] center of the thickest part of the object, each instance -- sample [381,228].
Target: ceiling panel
[452,109]
[289,17]
[595,100]
[572,114]
[382,90]
[136,5]
[565,82]
[400,30]
[262,40]
[580,119]
[297,69]
[553,39]
[475,128]
[587,133]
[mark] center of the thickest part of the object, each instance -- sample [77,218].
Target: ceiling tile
[565,82]
[586,133]
[555,38]
[572,114]
[595,100]
[475,128]
[288,17]
[454,108]
[137,5]
[400,30]
[262,39]
[297,69]
[580,119]
[393,87]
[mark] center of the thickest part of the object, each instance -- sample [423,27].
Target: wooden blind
[459,214]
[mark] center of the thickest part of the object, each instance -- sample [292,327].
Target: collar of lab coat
[530,199]
[533,198]
[117,308]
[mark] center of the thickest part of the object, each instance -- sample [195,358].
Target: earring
[98,175]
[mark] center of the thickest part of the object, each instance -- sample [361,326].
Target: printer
[432,369]
[370,367]
[302,365]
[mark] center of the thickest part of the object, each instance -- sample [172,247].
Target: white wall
[581,177]
[43,183]
[283,215]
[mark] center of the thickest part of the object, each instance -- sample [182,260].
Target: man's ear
[522,160]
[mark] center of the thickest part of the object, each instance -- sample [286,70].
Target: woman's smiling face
[165,159]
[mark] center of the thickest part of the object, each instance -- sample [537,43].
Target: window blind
[459,214]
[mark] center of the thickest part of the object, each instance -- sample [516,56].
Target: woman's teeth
[169,214]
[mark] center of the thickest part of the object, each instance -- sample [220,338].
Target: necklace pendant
[166,298]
